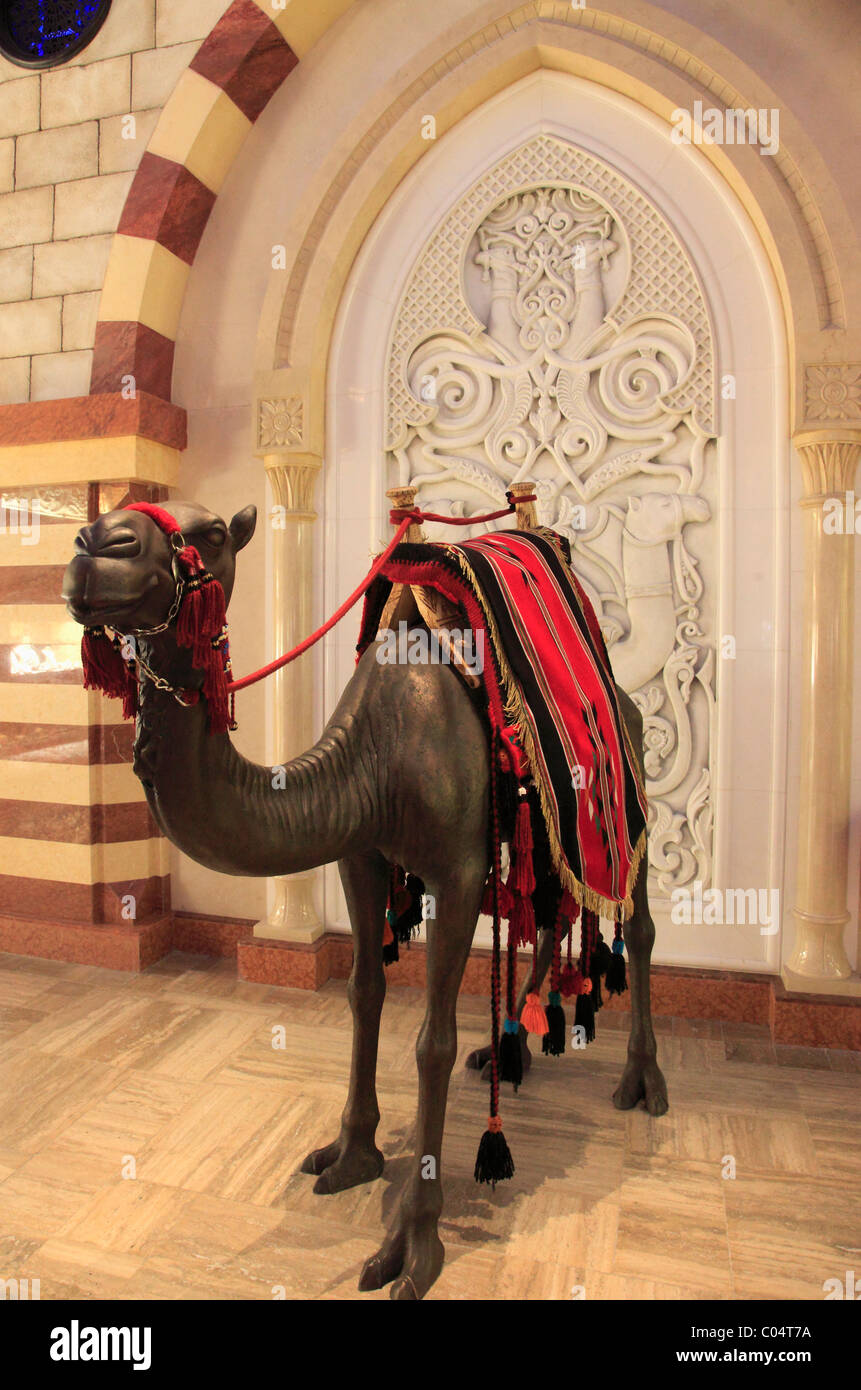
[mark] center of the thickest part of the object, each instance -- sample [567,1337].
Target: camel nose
[116,543]
[696,509]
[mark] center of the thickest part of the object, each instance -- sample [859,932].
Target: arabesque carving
[554,328]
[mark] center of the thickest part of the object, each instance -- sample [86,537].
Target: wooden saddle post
[415,603]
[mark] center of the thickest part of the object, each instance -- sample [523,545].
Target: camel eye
[215,537]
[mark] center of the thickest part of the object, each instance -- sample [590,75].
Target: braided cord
[511,976]
[588,940]
[556,966]
[496,962]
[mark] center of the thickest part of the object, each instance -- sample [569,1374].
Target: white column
[828,461]
[293,477]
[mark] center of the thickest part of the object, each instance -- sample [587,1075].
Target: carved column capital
[829,458]
[293,478]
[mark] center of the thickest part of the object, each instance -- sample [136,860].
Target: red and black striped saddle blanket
[550,689]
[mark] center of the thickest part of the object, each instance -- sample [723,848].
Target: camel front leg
[353,1157]
[412,1253]
[642,1078]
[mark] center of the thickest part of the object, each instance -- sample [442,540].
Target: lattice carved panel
[554,328]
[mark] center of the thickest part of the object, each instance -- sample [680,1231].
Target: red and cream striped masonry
[245,58]
[81,853]
[79,841]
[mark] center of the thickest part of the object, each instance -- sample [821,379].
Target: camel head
[123,572]
[657,517]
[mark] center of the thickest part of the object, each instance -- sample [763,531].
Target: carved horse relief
[553,328]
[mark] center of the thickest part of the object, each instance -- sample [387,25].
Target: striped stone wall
[78,843]
[97,237]
[109,167]
[226,87]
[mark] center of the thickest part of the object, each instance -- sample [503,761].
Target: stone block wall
[71,138]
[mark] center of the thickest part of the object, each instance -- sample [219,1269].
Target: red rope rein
[403,519]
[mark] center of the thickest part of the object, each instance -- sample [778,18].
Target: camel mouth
[91,614]
[93,609]
[115,613]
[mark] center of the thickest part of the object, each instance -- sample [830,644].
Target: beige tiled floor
[172,1075]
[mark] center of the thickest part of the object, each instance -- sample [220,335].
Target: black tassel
[411,918]
[390,952]
[553,1044]
[596,996]
[584,1016]
[601,957]
[510,1055]
[617,980]
[493,1162]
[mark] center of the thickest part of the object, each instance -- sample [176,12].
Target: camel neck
[227,812]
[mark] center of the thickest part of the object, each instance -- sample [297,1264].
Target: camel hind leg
[479,1060]
[642,1078]
[353,1157]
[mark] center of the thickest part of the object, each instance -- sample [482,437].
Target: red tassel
[487,903]
[569,980]
[521,880]
[202,620]
[523,828]
[105,670]
[214,614]
[189,556]
[506,901]
[533,1017]
[201,617]
[522,922]
[201,624]
[574,982]
[569,907]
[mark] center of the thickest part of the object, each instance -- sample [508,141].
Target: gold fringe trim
[514,709]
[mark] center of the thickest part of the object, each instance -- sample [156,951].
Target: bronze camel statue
[362,796]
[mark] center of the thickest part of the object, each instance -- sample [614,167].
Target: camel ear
[242,526]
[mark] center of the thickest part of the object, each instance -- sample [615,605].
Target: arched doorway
[654,416]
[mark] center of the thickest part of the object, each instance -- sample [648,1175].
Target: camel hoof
[656,1100]
[318,1160]
[525,1054]
[404,1290]
[380,1269]
[642,1081]
[350,1170]
[412,1257]
[478,1060]
[338,1170]
[371,1277]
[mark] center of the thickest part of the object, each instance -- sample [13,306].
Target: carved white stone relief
[832,391]
[553,328]
[279,423]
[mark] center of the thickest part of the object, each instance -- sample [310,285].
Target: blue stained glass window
[41,33]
